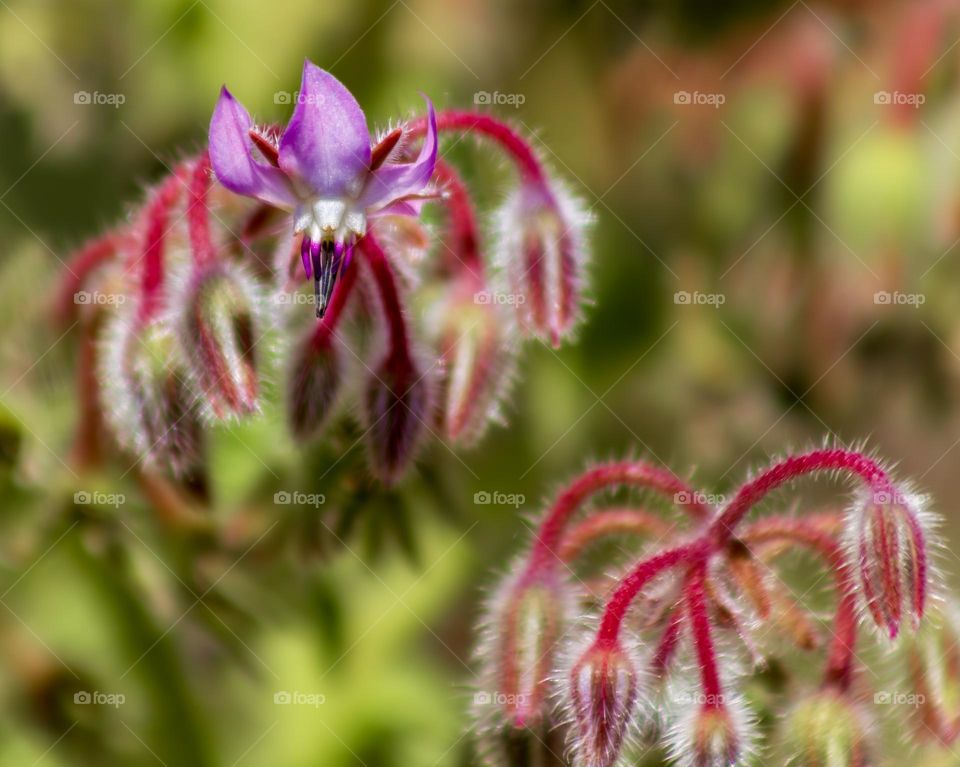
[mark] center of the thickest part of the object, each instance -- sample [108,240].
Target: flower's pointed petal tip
[232,159]
[326,143]
[395,181]
[430,140]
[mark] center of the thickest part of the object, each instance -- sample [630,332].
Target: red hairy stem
[485,125]
[789,469]
[669,641]
[389,297]
[811,532]
[696,599]
[157,217]
[611,522]
[326,327]
[80,265]
[463,221]
[640,576]
[198,212]
[635,473]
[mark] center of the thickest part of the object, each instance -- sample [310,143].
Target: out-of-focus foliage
[768,269]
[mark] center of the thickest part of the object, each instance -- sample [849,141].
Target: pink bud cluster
[609,664]
[421,334]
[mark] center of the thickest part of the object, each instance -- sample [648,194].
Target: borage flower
[352,203]
[322,169]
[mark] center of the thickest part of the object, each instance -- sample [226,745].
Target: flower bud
[889,546]
[542,248]
[398,404]
[313,382]
[716,734]
[527,624]
[603,687]
[826,729]
[478,361]
[148,401]
[218,328]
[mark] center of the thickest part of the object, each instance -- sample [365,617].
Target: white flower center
[336,219]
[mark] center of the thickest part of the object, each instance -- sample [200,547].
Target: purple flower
[320,168]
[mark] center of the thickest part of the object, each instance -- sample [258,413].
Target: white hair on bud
[488,717]
[683,717]
[509,223]
[917,505]
[183,283]
[579,640]
[137,414]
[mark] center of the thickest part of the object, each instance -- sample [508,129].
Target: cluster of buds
[653,653]
[421,331]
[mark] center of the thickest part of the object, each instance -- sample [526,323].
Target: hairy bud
[478,358]
[218,328]
[397,403]
[888,542]
[313,382]
[714,734]
[826,729]
[525,629]
[542,247]
[604,685]
[150,406]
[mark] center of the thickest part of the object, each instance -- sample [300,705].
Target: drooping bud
[826,729]
[150,405]
[219,329]
[933,669]
[398,403]
[887,540]
[527,625]
[604,685]
[313,382]
[478,359]
[542,252]
[716,733]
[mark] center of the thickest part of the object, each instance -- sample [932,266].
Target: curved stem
[808,532]
[611,522]
[79,266]
[484,125]
[198,212]
[636,473]
[637,578]
[464,232]
[157,216]
[789,469]
[389,296]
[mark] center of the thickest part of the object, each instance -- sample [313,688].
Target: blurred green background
[812,225]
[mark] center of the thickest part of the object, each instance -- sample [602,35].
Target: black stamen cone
[320,260]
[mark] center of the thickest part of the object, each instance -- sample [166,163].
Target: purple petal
[326,143]
[395,180]
[399,208]
[231,155]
